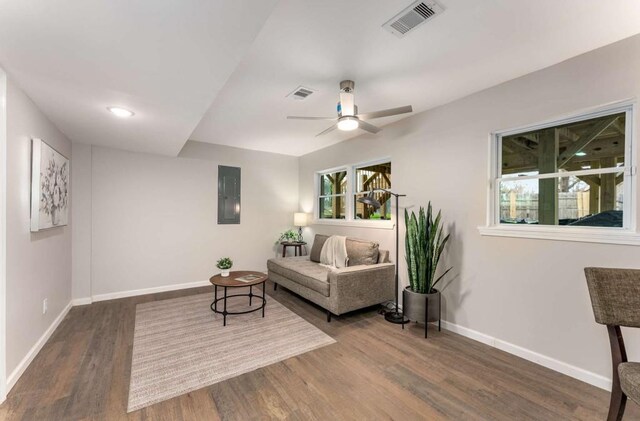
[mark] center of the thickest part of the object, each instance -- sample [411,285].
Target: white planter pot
[224,273]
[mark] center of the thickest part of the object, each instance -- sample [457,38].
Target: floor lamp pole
[396,316]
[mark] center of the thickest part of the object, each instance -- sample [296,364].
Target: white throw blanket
[334,252]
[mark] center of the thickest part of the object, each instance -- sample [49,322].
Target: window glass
[572,200]
[333,183]
[588,159]
[596,143]
[332,207]
[333,189]
[368,178]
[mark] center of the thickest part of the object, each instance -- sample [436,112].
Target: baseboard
[570,370]
[543,360]
[153,290]
[81,301]
[19,370]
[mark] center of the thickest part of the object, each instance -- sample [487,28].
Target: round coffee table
[234,280]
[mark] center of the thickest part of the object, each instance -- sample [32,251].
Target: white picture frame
[49,187]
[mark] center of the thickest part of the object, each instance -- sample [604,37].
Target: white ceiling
[223,68]
[164,59]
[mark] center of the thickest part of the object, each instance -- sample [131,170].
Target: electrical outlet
[44,306]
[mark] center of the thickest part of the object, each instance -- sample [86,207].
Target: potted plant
[424,245]
[289,236]
[224,264]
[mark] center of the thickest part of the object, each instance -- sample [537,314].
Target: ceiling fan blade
[292,117]
[330,129]
[368,127]
[385,113]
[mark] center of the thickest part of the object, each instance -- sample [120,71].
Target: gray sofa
[368,279]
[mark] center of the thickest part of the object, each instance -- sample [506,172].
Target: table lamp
[300,220]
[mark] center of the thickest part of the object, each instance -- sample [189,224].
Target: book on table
[248,278]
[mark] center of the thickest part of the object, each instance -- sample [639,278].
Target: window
[339,189]
[572,173]
[368,178]
[333,192]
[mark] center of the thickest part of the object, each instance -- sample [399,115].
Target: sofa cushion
[362,252]
[302,271]
[630,380]
[318,242]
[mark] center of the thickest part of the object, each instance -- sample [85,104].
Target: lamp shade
[300,219]
[370,200]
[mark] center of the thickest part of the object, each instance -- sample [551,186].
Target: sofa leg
[328,316]
[275,286]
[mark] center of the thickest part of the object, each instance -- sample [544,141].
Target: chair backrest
[615,295]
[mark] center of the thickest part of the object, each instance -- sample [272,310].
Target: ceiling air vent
[301,93]
[412,17]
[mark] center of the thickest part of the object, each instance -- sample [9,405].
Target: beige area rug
[180,345]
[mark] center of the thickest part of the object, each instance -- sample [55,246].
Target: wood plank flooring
[376,371]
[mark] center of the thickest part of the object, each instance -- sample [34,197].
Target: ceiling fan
[348,117]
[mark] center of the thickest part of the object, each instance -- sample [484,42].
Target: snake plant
[424,245]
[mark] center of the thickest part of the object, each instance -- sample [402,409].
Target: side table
[297,246]
[230,281]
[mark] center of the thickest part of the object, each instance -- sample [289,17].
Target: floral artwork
[49,187]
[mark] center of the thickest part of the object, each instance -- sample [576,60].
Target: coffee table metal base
[225,313]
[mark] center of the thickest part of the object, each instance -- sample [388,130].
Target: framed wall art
[49,187]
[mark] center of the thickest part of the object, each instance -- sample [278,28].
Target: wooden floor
[375,371]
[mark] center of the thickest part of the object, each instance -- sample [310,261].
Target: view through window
[370,178]
[339,190]
[569,174]
[333,191]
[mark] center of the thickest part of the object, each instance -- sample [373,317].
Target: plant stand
[426,314]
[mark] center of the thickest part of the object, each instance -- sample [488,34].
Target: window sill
[383,225]
[583,234]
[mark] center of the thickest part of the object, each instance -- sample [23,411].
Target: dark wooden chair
[615,297]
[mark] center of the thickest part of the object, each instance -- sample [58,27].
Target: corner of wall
[81,211]
[3,235]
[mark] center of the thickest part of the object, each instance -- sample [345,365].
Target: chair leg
[328,316]
[618,356]
[617,403]
[275,286]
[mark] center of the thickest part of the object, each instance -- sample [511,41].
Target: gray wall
[38,264]
[529,293]
[151,221]
[81,213]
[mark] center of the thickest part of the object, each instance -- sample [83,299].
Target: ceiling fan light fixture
[348,123]
[121,112]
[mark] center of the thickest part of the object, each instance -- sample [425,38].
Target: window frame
[626,234]
[349,219]
[319,196]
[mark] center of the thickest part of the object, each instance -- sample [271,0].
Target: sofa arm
[361,286]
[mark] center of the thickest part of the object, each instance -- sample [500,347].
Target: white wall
[81,214]
[38,264]
[153,219]
[3,234]
[529,293]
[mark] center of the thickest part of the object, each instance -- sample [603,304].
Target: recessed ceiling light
[581,153]
[586,167]
[121,112]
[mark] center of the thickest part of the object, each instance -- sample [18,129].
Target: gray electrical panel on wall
[228,195]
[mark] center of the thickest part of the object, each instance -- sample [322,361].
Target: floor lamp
[395,316]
